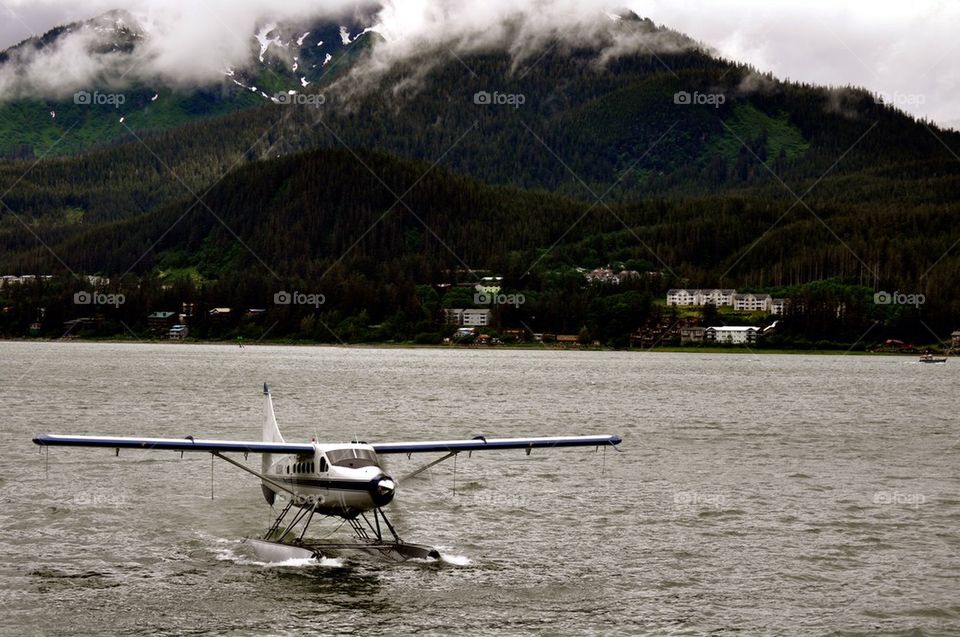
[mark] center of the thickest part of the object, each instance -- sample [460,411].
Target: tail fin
[271,433]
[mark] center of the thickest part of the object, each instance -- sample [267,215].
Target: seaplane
[334,480]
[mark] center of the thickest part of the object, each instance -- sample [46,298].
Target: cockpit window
[353,458]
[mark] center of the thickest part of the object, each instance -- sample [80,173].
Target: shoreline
[673,349]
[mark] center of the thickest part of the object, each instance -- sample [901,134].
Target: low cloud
[888,47]
[181,43]
[446,31]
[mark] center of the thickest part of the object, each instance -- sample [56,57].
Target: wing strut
[417,472]
[273,483]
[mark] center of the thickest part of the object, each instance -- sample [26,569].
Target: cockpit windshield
[353,458]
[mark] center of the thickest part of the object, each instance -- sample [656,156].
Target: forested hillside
[325,223]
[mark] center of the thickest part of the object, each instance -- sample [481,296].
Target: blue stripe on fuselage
[322,483]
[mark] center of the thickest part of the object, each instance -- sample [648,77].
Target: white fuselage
[343,480]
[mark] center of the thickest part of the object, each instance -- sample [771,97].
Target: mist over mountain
[182,45]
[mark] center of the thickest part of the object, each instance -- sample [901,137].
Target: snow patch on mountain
[264,41]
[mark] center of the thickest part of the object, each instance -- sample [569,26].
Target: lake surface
[782,495]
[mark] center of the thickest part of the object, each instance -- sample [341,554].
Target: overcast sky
[905,50]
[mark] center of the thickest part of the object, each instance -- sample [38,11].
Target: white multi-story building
[752,302]
[718,297]
[467,317]
[734,334]
[682,297]
[778,306]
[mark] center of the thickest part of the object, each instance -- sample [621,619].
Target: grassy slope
[748,123]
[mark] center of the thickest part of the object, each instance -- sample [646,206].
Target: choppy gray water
[787,495]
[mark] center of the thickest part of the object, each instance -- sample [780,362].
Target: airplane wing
[248,446]
[174,444]
[486,444]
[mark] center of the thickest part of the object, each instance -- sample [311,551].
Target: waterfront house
[467,316]
[161,320]
[733,334]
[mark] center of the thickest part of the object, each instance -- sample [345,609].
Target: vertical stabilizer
[271,433]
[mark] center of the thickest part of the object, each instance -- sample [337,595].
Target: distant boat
[930,358]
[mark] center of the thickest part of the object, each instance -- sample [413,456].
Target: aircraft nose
[382,489]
